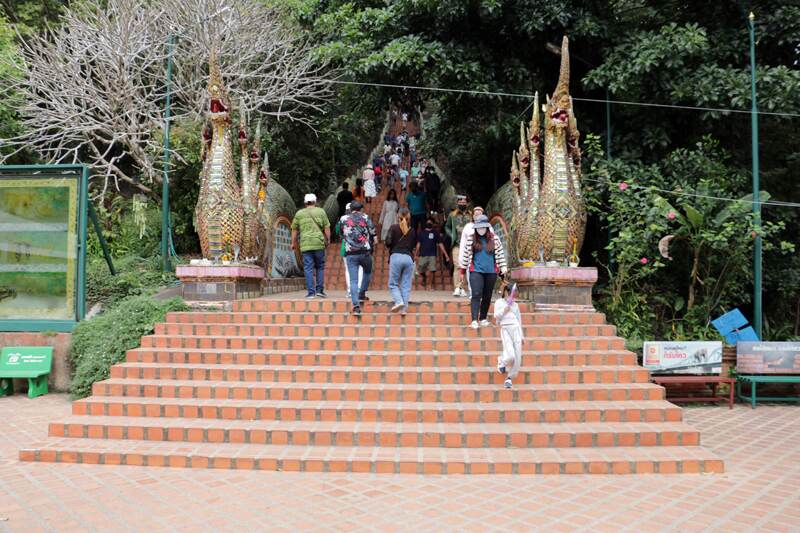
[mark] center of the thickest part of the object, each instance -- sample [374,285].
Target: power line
[591,100]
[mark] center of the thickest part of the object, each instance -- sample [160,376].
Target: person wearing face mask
[469,229]
[484,258]
[453,228]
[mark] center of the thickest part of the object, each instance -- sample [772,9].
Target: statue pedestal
[220,283]
[556,288]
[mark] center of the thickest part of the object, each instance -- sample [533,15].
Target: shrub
[102,341]
[135,276]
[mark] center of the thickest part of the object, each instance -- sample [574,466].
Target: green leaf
[695,217]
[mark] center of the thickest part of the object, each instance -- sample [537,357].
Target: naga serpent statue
[230,219]
[549,217]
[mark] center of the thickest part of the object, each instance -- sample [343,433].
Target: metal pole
[611,262]
[103,244]
[165,265]
[757,309]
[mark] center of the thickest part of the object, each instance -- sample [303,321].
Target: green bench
[755,380]
[27,362]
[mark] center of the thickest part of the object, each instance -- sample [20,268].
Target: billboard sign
[680,357]
[768,357]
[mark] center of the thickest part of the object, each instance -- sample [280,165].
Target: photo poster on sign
[38,252]
[768,357]
[701,357]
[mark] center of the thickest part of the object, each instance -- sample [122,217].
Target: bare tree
[93,90]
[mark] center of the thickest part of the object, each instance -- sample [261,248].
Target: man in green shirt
[315,233]
[453,228]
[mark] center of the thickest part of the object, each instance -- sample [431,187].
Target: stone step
[612,460]
[333,305]
[391,434]
[375,411]
[248,390]
[357,344]
[371,318]
[388,375]
[372,359]
[372,331]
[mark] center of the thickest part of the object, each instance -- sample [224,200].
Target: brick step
[371,318]
[388,375]
[372,359]
[616,460]
[413,434]
[341,411]
[372,331]
[247,390]
[413,344]
[332,305]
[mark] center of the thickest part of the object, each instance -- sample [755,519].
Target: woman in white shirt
[370,190]
[388,217]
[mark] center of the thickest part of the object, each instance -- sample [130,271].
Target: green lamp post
[757,309]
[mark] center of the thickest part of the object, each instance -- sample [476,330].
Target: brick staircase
[334,265]
[301,386]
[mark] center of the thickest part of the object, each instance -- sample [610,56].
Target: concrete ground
[758,492]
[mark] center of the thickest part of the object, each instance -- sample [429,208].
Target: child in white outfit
[507,316]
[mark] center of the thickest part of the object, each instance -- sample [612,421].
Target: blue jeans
[314,263]
[353,262]
[401,274]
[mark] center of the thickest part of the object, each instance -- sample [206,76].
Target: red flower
[623,186]
[643,260]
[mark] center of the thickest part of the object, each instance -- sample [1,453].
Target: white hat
[310,198]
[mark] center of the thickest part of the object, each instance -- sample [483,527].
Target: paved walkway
[758,492]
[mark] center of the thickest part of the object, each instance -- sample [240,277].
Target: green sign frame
[77,177]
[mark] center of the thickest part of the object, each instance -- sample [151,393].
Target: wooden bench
[754,380]
[712,381]
[28,362]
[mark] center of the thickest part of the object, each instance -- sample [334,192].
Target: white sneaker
[485,323]
[474,324]
[456,292]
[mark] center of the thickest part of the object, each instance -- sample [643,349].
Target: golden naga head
[218,105]
[534,129]
[263,175]
[255,151]
[560,105]
[515,175]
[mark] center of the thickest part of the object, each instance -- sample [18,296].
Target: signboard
[42,247]
[768,357]
[683,357]
[26,360]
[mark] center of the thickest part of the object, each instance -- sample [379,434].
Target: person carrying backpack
[358,234]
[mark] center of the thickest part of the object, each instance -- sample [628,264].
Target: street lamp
[165,230]
[757,310]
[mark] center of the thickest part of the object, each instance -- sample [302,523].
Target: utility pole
[757,309]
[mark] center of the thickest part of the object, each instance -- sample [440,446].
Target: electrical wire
[591,100]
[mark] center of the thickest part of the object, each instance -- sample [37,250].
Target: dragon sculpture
[549,218]
[229,218]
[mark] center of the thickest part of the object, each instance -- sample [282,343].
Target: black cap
[356,206]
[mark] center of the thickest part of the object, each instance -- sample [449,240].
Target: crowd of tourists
[410,223]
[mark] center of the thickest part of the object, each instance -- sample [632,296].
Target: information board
[768,357]
[700,357]
[42,246]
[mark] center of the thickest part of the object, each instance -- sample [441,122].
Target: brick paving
[758,491]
